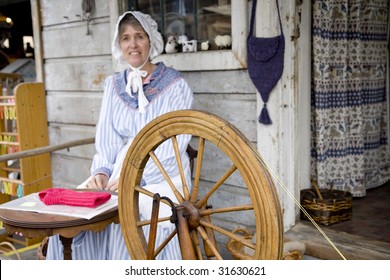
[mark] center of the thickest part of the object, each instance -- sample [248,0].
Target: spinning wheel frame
[208,127]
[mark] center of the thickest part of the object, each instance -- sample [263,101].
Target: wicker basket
[10,248]
[42,249]
[236,248]
[325,206]
[240,253]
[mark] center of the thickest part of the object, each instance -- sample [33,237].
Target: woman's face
[135,45]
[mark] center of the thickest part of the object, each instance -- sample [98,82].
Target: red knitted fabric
[72,197]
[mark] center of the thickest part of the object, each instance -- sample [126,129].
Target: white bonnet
[150,27]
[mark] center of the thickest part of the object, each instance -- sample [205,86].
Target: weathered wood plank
[71,167]
[76,43]
[77,75]
[238,109]
[69,171]
[352,247]
[74,108]
[38,45]
[69,11]
[59,133]
[231,82]
[210,60]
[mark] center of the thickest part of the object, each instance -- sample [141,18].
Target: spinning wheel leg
[183,231]
[67,244]
[153,227]
[205,213]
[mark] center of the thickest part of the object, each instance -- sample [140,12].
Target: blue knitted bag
[265,58]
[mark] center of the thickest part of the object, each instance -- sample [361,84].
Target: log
[46,149]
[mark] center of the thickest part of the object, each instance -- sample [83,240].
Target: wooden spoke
[149,193]
[180,166]
[228,234]
[153,227]
[195,187]
[147,222]
[205,237]
[211,235]
[207,212]
[166,241]
[178,195]
[203,201]
[144,191]
[195,240]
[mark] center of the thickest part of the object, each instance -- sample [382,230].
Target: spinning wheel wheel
[201,230]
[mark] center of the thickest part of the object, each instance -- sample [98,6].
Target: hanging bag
[265,58]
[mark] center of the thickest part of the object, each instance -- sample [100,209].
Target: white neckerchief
[134,84]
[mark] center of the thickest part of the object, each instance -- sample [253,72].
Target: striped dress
[119,122]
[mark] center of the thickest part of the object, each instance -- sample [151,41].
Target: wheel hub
[191,213]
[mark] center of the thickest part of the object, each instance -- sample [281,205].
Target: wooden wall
[75,66]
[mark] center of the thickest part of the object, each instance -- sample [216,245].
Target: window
[201,20]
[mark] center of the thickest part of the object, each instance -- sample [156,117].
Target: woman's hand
[113,185]
[98,181]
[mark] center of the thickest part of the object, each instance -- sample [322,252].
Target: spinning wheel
[203,215]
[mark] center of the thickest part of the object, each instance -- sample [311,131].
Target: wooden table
[33,225]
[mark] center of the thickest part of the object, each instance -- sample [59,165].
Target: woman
[133,98]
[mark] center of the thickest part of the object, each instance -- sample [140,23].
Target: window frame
[231,59]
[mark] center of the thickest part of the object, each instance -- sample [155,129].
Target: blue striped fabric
[109,245]
[119,122]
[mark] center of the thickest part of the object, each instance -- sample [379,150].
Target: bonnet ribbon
[134,84]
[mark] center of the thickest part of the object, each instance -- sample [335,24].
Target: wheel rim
[208,128]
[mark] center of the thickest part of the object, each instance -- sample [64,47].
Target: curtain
[349,122]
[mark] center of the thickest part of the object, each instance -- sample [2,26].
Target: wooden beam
[47,149]
[351,246]
[38,46]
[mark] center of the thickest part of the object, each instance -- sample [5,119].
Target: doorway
[342,85]
[16,32]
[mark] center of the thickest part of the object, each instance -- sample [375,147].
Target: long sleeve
[108,142]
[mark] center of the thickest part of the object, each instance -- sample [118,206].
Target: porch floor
[370,215]
[365,236]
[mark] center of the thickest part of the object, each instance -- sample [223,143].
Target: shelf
[17,134]
[225,10]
